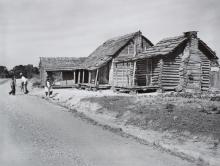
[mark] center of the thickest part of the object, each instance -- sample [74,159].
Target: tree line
[27,70]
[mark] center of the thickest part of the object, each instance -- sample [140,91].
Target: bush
[36,84]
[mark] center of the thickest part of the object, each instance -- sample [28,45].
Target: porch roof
[60,63]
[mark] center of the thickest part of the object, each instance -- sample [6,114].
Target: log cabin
[60,69]
[181,63]
[97,69]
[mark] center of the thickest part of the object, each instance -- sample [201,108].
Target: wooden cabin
[181,63]
[97,69]
[61,69]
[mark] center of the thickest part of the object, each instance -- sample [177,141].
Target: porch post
[74,76]
[134,70]
[79,77]
[89,77]
[61,74]
[96,78]
[83,76]
[160,76]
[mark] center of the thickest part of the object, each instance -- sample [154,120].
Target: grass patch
[180,113]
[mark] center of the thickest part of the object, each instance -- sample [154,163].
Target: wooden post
[127,74]
[160,76]
[74,75]
[79,77]
[134,70]
[116,74]
[83,75]
[96,78]
[111,73]
[61,74]
[123,75]
[89,77]
[130,76]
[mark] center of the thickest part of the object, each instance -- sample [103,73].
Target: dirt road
[34,132]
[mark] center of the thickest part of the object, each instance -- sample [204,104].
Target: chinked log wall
[170,77]
[206,66]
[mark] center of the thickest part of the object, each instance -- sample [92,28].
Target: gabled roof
[202,43]
[169,45]
[104,52]
[60,63]
[163,47]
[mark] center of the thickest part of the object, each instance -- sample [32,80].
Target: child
[13,86]
[48,87]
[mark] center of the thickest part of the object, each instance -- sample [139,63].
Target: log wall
[170,77]
[205,72]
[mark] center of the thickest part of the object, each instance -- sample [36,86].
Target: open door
[148,71]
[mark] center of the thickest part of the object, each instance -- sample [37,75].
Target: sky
[30,29]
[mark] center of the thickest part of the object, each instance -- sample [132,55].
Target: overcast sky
[30,29]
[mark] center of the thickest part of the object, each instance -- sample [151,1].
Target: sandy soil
[35,132]
[186,125]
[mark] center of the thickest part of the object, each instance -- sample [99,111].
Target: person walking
[25,83]
[22,86]
[13,86]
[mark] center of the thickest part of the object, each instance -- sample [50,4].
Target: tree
[27,70]
[4,72]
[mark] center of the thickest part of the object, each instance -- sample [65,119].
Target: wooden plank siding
[141,72]
[123,74]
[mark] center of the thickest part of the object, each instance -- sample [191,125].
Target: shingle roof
[60,63]
[169,45]
[163,47]
[104,52]
[208,48]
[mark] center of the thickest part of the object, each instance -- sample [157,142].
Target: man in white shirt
[25,82]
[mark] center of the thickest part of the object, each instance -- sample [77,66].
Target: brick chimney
[190,34]
[192,42]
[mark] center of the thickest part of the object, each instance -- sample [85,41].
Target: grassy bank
[162,113]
